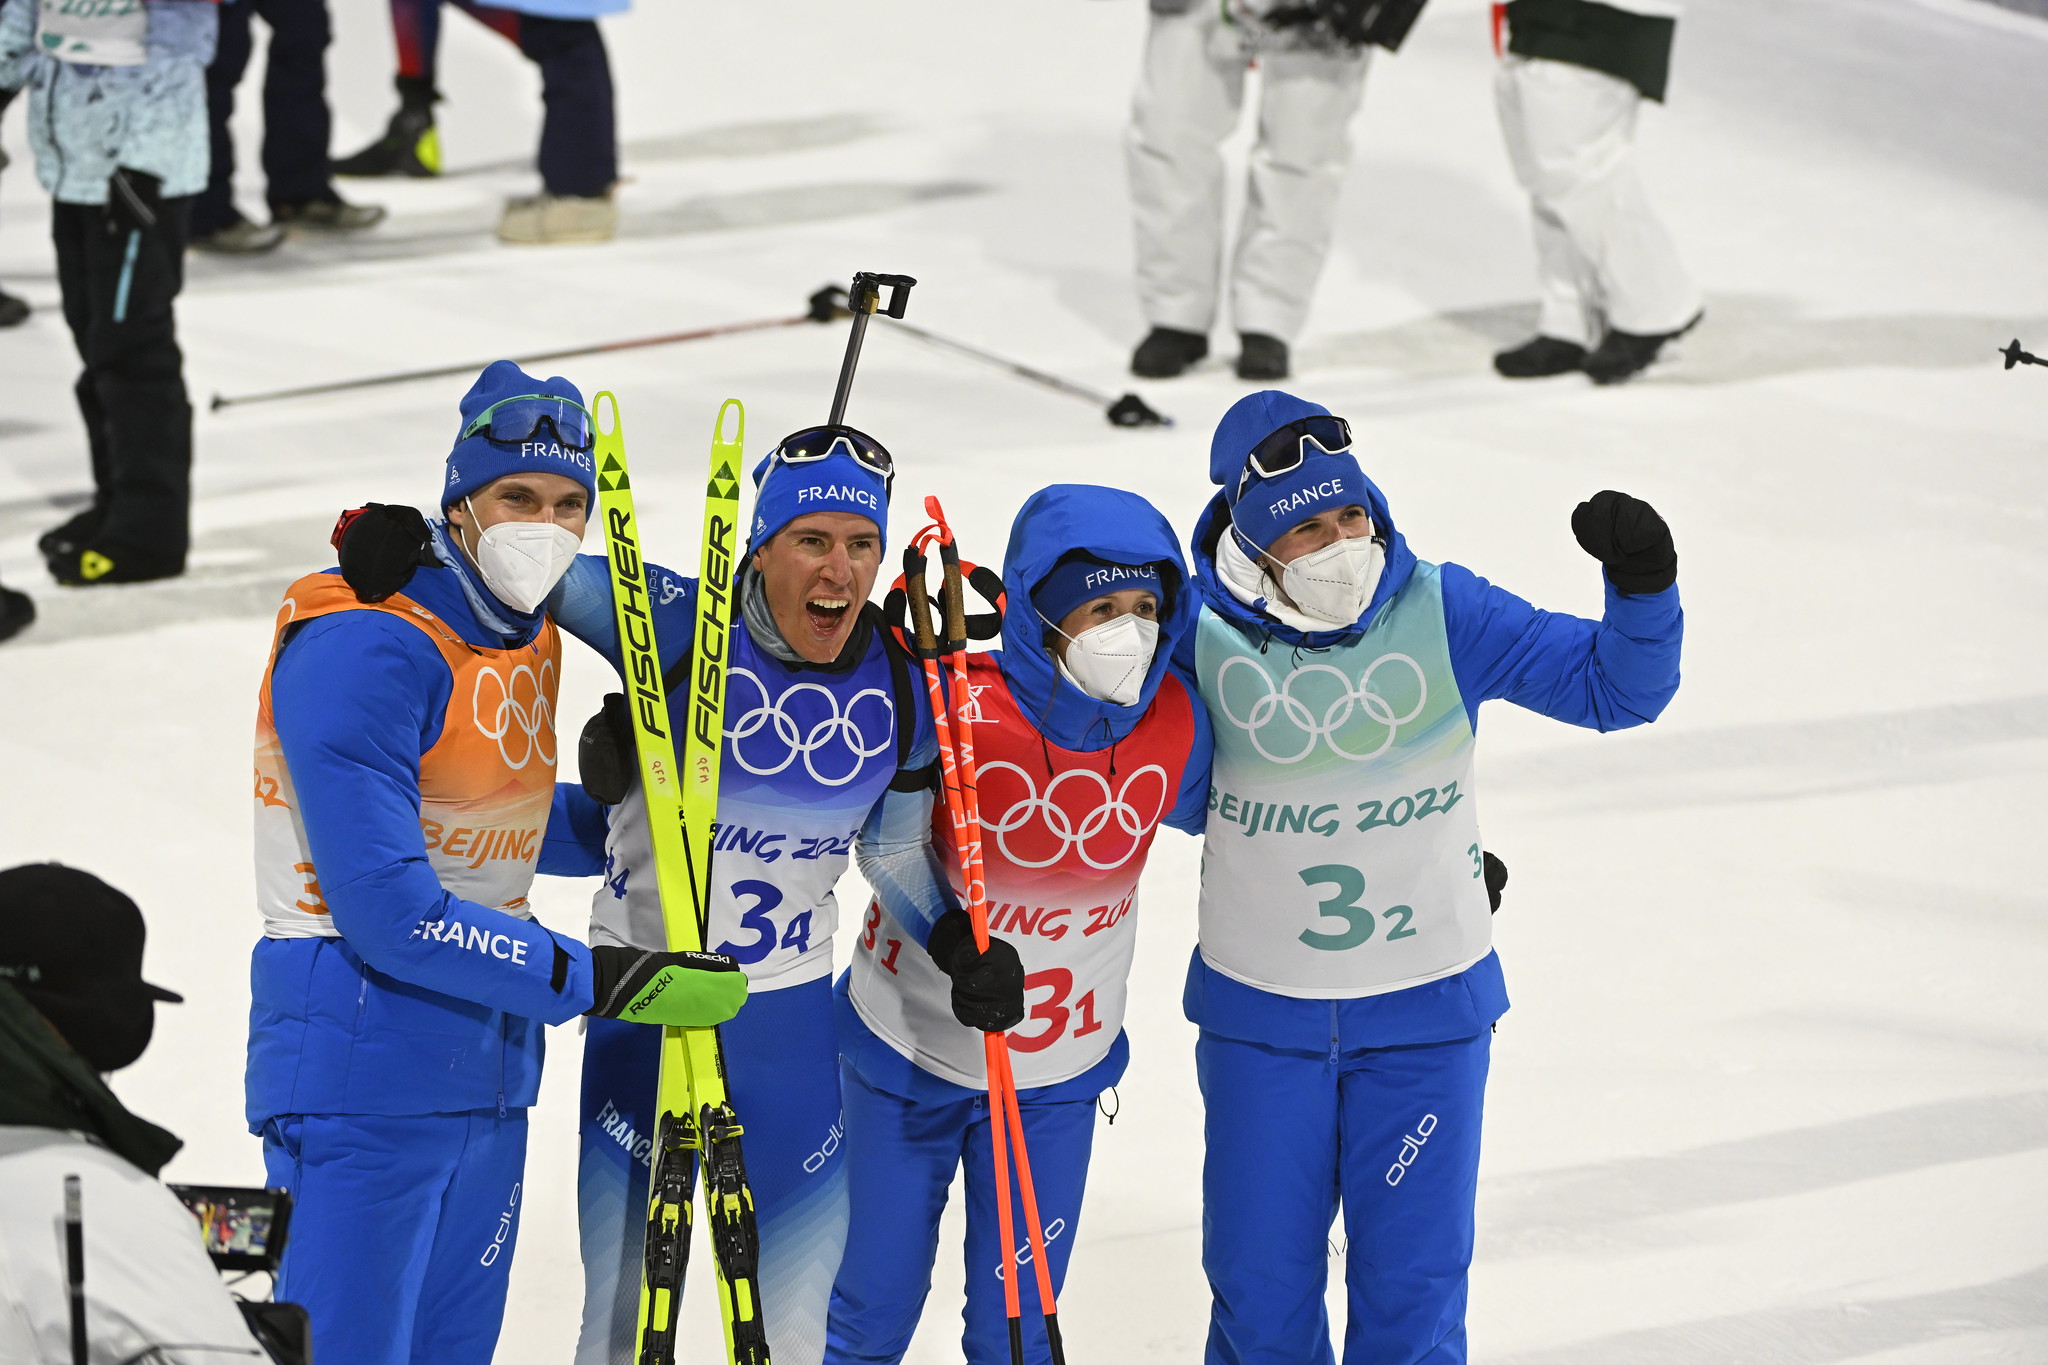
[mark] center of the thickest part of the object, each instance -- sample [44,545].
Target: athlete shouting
[1086,740]
[824,732]
[1345,987]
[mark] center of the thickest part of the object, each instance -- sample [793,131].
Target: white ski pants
[1601,250]
[1189,97]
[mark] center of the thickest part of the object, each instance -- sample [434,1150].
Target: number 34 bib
[1342,855]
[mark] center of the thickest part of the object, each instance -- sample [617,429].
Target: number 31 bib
[1342,850]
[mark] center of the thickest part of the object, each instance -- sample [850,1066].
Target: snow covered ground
[1775,1087]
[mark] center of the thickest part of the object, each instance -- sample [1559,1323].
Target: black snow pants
[132,391]
[295,115]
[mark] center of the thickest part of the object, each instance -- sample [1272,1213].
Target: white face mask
[1109,662]
[1335,583]
[521,561]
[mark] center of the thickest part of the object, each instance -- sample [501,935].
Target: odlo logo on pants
[1411,1147]
[504,1232]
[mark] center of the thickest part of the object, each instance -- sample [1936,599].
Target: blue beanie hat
[837,483]
[477,460]
[1080,577]
[1264,509]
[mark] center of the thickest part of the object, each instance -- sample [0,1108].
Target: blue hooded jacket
[1610,674]
[1123,528]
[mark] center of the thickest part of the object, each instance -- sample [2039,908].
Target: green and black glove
[676,990]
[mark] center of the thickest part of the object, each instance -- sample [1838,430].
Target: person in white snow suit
[1569,89]
[1345,985]
[73,1006]
[1312,56]
[1087,740]
[405,795]
[826,742]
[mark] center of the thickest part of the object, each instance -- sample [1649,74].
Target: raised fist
[1628,536]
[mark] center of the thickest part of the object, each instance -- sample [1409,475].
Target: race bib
[94,32]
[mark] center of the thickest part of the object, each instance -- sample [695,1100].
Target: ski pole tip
[219,402]
[1133,411]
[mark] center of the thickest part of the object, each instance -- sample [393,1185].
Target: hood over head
[1114,526]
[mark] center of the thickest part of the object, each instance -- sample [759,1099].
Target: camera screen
[241,1228]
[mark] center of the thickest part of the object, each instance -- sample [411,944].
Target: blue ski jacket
[380,1020]
[1610,674]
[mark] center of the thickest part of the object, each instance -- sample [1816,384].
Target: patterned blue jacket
[84,121]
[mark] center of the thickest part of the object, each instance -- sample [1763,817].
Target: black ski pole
[1126,410]
[74,1268]
[817,313]
[862,302]
[2013,355]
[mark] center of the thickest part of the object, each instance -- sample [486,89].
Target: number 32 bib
[1342,855]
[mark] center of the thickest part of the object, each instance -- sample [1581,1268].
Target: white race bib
[94,32]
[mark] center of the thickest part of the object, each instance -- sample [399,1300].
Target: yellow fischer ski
[695,1120]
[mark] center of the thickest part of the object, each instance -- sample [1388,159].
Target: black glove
[135,201]
[380,545]
[605,756]
[1628,536]
[679,990]
[1496,874]
[988,988]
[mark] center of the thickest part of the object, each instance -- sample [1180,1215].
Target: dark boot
[1261,357]
[106,562]
[1540,357]
[410,145]
[1624,355]
[16,611]
[1166,352]
[13,311]
[73,534]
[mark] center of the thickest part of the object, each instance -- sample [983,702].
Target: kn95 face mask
[1335,583]
[521,561]
[1109,662]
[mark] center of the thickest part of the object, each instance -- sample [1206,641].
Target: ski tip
[604,409]
[739,436]
[1133,411]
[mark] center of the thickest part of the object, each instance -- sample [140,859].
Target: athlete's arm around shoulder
[358,697]
[581,605]
[1190,813]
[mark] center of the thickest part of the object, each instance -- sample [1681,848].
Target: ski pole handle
[920,603]
[862,301]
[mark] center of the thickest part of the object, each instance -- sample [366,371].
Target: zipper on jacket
[504,1045]
[1333,1035]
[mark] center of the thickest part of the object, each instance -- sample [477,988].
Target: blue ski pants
[782,1073]
[1391,1135]
[402,1230]
[900,1156]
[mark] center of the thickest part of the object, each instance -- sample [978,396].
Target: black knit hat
[72,945]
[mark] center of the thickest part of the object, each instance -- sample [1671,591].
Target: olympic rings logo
[1348,701]
[832,728]
[1074,836]
[517,712]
